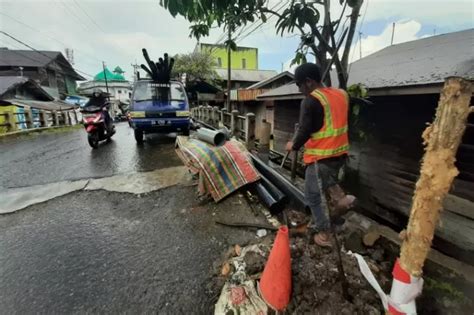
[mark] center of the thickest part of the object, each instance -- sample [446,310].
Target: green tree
[311,19]
[197,66]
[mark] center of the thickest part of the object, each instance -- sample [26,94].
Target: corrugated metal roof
[420,62]
[26,58]
[31,58]
[262,84]
[246,75]
[288,91]
[7,83]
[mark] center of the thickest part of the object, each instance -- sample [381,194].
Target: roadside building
[21,94]
[119,88]
[404,83]
[245,100]
[50,69]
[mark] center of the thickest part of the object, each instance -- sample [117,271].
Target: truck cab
[159,108]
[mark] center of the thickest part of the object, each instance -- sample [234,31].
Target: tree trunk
[352,28]
[326,33]
[442,139]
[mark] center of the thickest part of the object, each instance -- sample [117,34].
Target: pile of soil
[317,285]
[316,282]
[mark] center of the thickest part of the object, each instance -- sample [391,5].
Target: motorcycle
[98,123]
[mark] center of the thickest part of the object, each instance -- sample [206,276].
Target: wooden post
[66,118]
[294,160]
[215,116]
[42,117]
[9,118]
[442,140]
[75,117]
[55,118]
[29,118]
[206,114]
[250,131]
[223,115]
[264,141]
[233,122]
[209,114]
[200,112]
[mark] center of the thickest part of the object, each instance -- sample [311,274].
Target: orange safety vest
[332,139]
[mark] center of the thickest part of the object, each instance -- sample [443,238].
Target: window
[219,62]
[145,91]
[119,91]
[244,63]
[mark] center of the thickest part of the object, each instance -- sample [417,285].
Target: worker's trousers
[318,178]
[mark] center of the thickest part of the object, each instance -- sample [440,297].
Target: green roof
[110,76]
[118,70]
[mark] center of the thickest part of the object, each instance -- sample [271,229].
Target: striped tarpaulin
[222,170]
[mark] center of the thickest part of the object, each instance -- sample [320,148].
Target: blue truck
[159,108]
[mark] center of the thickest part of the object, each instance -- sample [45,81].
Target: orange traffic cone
[275,283]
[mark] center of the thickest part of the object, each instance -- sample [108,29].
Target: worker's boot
[339,202]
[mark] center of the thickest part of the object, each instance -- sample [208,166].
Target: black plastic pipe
[266,198]
[276,193]
[290,190]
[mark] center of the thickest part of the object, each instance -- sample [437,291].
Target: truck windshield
[164,92]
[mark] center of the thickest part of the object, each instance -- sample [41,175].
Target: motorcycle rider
[100,100]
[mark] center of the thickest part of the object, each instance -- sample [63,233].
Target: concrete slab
[18,198]
[140,183]
[15,199]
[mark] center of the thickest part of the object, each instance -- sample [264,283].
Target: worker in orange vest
[323,132]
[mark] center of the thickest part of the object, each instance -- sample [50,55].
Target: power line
[251,31]
[48,36]
[90,18]
[247,27]
[41,53]
[71,12]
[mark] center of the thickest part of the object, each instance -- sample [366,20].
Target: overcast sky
[114,31]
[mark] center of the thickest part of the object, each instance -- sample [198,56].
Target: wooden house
[50,69]
[404,82]
[245,100]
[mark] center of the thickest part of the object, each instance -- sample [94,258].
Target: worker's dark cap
[308,71]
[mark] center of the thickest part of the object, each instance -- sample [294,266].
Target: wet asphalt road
[53,157]
[91,252]
[96,252]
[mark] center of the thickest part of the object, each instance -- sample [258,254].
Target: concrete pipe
[213,137]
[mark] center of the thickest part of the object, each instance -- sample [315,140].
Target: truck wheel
[139,136]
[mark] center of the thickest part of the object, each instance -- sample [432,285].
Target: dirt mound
[317,286]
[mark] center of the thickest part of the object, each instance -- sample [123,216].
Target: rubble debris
[353,242]
[371,237]
[240,299]
[261,233]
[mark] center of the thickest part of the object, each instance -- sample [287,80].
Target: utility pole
[393,33]
[229,38]
[360,45]
[105,77]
